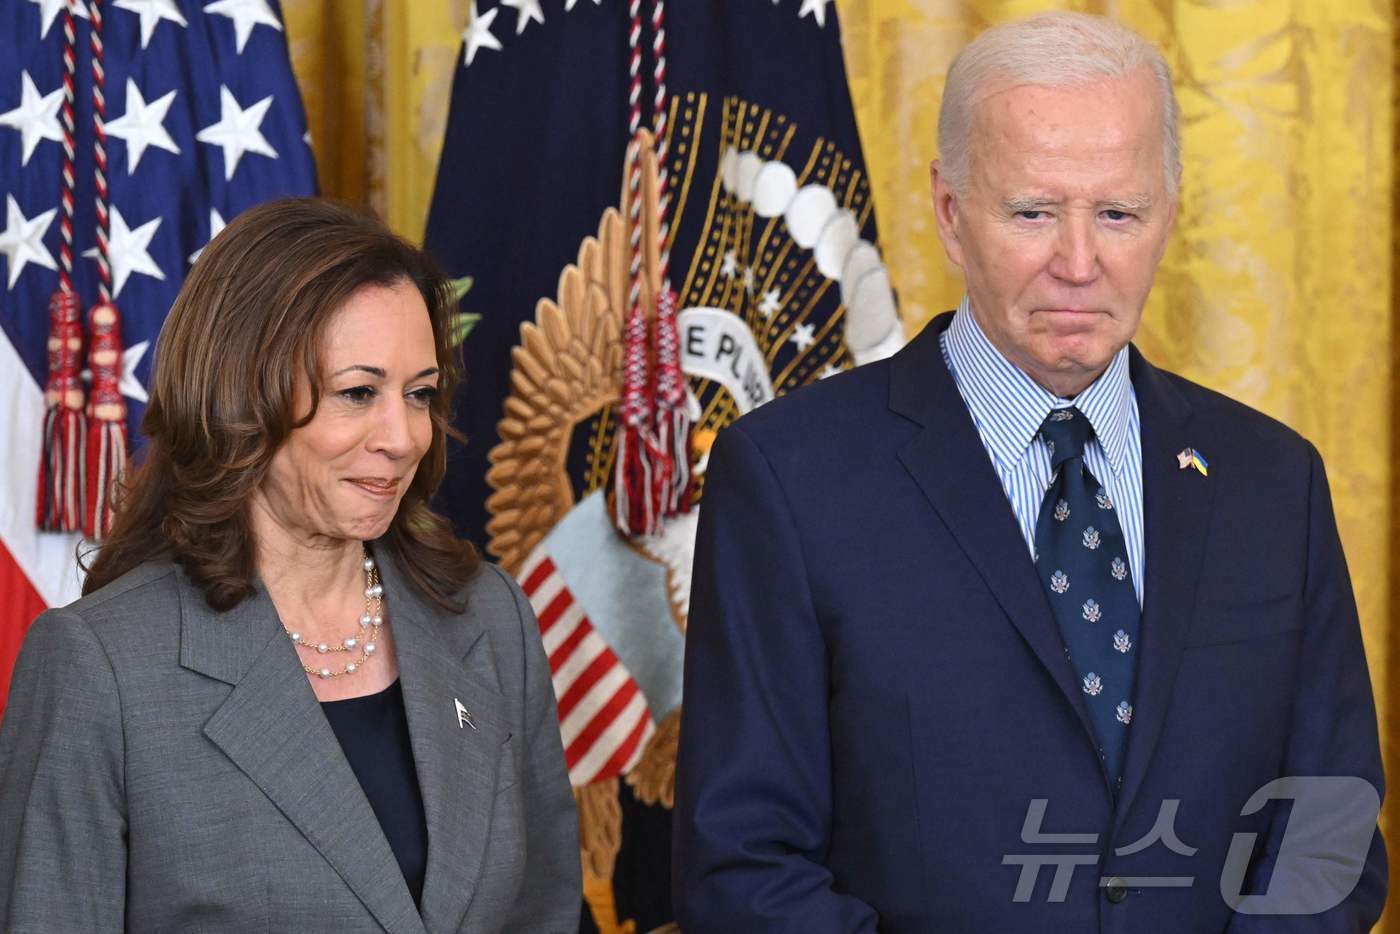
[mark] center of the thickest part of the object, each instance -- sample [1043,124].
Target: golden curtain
[1277,288]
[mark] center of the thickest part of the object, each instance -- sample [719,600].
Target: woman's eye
[357,394]
[424,395]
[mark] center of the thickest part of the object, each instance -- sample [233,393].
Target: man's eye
[1031,215]
[357,394]
[1116,216]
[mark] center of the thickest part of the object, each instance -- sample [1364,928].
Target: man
[1005,633]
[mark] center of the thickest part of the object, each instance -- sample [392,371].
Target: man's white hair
[1049,50]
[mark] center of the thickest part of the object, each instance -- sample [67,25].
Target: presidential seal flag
[663,211]
[131,131]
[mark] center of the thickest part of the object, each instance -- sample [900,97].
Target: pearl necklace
[370,620]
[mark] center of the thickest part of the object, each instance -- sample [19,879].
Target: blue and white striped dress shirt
[1008,408]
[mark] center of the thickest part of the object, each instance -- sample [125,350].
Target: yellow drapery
[1277,288]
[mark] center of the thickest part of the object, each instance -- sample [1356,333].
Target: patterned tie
[1083,561]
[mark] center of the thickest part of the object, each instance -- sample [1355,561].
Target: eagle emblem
[551,472]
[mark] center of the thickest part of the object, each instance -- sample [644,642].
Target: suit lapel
[949,463]
[445,659]
[272,728]
[1176,515]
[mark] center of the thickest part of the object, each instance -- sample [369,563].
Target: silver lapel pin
[464,719]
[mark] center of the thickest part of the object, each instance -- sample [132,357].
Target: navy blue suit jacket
[876,691]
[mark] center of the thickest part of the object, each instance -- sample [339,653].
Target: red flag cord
[652,474]
[62,495]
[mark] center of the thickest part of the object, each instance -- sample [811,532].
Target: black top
[373,732]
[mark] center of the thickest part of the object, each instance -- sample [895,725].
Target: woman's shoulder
[492,605]
[491,602]
[134,615]
[146,594]
[493,594]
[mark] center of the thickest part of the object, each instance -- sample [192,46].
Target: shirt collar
[1009,407]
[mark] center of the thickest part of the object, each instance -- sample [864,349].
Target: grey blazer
[167,768]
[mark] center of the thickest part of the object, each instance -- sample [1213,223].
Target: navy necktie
[1082,560]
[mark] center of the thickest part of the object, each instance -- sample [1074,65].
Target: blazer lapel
[272,728]
[1176,515]
[950,464]
[444,659]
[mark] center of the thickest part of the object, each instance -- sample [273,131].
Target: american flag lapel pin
[1190,457]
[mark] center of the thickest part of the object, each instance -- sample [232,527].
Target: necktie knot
[1066,431]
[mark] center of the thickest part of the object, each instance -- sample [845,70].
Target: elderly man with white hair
[1014,631]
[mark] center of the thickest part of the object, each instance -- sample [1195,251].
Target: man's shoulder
[849,403]
[1229,425]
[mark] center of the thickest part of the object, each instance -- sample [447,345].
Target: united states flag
[202,120]
[603,715]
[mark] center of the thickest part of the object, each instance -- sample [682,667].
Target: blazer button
[1115,889]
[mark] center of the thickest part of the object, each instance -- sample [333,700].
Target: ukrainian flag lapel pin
[1190,457]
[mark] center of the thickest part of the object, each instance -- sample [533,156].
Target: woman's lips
[383,489]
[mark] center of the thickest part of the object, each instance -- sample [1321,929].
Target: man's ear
[946,212]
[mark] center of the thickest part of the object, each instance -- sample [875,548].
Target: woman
[289,699]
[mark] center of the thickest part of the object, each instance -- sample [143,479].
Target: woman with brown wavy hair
[289,698]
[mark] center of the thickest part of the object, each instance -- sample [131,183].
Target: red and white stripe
[603,715]
[37,570]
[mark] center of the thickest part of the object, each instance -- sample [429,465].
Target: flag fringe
[61,478]
[672,422]
[106,443]
[106,463]
[62,495]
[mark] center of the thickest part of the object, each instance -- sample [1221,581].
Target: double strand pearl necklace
[370,621]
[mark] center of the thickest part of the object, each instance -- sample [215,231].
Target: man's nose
[1076,259]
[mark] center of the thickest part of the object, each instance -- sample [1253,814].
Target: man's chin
[1068,374]
[1080,349]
